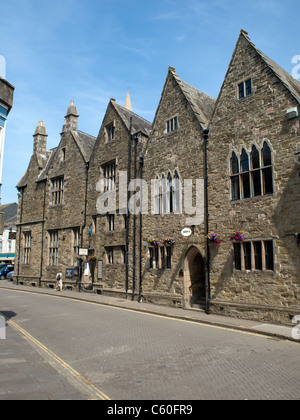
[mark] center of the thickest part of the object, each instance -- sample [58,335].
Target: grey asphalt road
[112,353]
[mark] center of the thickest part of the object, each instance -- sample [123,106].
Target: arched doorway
[194,279]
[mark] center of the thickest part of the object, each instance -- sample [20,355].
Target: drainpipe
[141,225]
[20,233]
[42,244]
[134,224]
[127,210]
[87,165]
[205,136]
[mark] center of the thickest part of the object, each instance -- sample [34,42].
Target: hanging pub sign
[83,252]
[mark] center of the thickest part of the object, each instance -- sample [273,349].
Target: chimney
[40,140]
[71,122]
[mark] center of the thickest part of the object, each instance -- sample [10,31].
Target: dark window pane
[268,181]
[257,255]
[246,185]
[244,162]
[234,164]
[241,90]
[269,255]
[255,158]
[256,183]
[266,155]
[169,257]
[248,87]
[237,257]
[247,255]
[235,188]
[151,258]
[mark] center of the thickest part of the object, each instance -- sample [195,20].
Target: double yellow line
[89,387]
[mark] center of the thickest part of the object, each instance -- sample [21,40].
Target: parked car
[3,265]
[10,275]
[5,270]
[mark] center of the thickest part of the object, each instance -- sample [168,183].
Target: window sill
[256,198]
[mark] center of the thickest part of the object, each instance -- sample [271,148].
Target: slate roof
[286,79]
[85,143]
[10,212]
[202,104]
[138,123]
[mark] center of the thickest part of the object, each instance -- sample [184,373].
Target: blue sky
[92,50]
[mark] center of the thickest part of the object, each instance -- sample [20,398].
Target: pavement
[267,329]
[25,374]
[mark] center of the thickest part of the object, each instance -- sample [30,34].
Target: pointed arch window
[245,175]
[255,173]
[267,170]
[157,196]
[177,193]
[170,198]
[252,177]
[235,177]
[164,194]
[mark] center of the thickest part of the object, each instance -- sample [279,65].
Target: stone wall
[242,123]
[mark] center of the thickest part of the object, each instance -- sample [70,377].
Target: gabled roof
[202,104]
[286,79]
[138,123]
[85,143]
[291,84]
[42,164]
[10,212]
[44,174]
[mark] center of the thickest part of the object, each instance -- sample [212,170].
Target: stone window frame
[76,244]
[238,177]
[115,255]
[160,257]
[172,124]
[53,246]
[110,222]
[108,174]
[247,257]
[243,83]
[109,253]
[110,131]
[27,238]
[57,191]
[167,190]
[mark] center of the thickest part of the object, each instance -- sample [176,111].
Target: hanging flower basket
[169,241]
[237,236]
[154,242]
[214,239]
[93,258]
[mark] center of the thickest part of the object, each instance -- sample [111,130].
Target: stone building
[52,203]
[254,186]
[243,176]
[175,271]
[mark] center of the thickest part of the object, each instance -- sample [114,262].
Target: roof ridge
[291,84]
[131,112]
[86,134]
